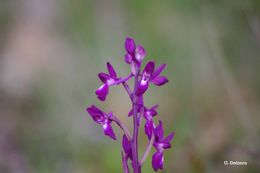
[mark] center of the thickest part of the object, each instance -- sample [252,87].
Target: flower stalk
[136,127]
[142,79]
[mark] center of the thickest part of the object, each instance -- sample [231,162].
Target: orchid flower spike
[142,78]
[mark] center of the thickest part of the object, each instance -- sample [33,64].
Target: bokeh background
[52,50]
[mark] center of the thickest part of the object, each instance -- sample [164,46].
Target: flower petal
[108,130]
[149,113]
[148,69]
[97,115]
[102,92]
[169,137]
[93,110]
[134,67]
[160,80]
[166,141]
[158,71]
[130,45]
[130,113]
[140,53]
[104,77]
[158,132]
[157,161]
[127,146]
[111,70]
[128,58]
[148,128]
[143,86]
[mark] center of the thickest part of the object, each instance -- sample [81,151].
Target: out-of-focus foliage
[51,51]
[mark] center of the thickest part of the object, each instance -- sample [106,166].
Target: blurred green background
[52,50]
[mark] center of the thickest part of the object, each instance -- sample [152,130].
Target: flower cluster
[142,78]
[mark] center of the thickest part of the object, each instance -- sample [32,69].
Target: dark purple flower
[135,54]
[103,119]
[160,143]
[148,115]
[127,146]
[107,79]
[149,75]
[148,128]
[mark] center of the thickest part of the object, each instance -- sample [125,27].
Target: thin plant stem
[147,150]
[128,90]
[124,162]
[136,166]
[123,79]
[123,127]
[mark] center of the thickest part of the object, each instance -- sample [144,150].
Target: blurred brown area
[51,51]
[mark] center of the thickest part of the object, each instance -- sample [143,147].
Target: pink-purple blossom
[149,75]
[135,54]
[103,119]
[160,143]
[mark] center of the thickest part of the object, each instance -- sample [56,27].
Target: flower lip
[108,130]
[157,161]
[102,92]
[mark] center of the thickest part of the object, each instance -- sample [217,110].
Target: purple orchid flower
[148,115]
[135,54]
[160,143]
[149,75]
[103,119]
[108,80]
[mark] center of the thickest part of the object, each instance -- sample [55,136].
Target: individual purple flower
[149,75]
[107,79]
[160,143]
[103,119]
[135,55]
[148,115]
[127,146]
